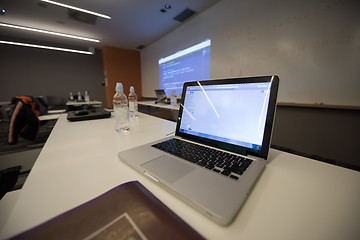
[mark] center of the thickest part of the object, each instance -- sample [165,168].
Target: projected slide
[191,64]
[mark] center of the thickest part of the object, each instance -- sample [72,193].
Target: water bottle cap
[132,89]
[119,87]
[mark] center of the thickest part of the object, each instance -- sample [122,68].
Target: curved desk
[295,198]
[162,110]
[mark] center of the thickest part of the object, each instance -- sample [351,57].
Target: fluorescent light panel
[48,32]
[46,47]
[77,9]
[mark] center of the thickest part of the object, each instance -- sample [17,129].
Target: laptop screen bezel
[263,152]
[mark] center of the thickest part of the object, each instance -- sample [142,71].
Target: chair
[8,179]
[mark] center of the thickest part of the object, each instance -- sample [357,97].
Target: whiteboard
[313,46]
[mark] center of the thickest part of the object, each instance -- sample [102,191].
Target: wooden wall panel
[121,65]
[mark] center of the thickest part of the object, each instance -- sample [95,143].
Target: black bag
[24,118]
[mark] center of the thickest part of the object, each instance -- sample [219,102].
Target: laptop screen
[229,114]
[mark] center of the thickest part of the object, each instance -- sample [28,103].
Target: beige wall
[313,46]
[37,72]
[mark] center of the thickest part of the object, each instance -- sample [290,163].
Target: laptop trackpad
[168,168]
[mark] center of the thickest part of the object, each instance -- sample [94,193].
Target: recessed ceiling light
[48,32]
[77,9]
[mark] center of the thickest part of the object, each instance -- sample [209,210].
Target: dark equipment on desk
[82,115]
[161,96]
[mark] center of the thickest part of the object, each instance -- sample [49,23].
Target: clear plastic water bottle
[71,97]
[87,96]
[79,96]
[173,100]
[133,105]
[121,109]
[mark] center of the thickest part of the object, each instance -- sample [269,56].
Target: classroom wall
[38,72]
[314,47]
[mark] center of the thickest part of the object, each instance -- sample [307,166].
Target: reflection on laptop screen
[232,113]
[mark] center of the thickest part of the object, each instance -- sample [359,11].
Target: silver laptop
[220,145]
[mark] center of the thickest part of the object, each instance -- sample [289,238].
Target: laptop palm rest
[168,168]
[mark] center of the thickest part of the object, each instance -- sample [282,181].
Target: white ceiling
[133,23]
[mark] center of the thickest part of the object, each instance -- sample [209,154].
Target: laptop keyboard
[224,163]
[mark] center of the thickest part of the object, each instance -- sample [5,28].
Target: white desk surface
[52,115]
[49,117]
[159,105]
[295,198]
[4,103]
[76,103]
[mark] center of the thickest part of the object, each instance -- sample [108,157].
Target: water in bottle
[121,110]
[133,105]
[87,96]
[173,100]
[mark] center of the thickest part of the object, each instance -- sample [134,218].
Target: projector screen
[190,64]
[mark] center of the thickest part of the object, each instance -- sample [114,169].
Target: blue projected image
[191,64]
